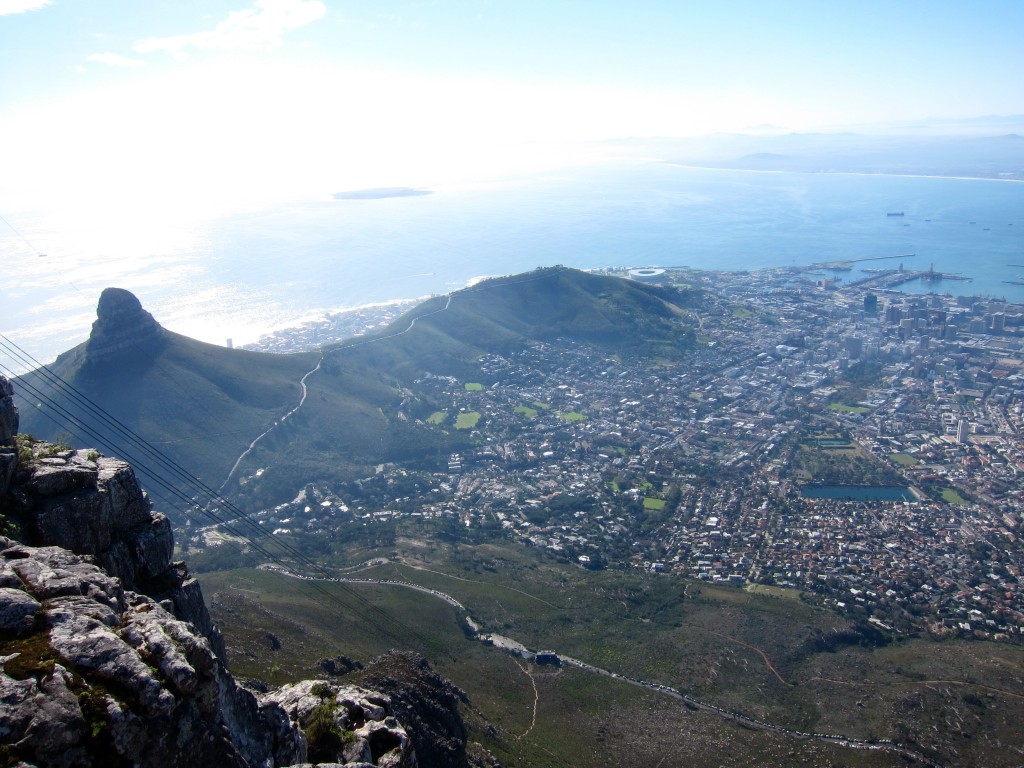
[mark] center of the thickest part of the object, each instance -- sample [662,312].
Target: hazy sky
[232,98]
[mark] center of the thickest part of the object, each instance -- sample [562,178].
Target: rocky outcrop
[8,411]
[426,703]
[344,724]
[91,673]
[108,655]
[8,429]
[121,324]
[93,505]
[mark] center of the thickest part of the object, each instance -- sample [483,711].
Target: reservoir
[858,492]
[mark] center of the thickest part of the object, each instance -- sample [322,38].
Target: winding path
[517,649]
[758,651]
[536,700]
[358,342]
[276,424]
[305,389]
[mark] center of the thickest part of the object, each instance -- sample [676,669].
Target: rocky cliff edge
[107,652]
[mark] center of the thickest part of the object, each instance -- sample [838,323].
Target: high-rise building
[854,346]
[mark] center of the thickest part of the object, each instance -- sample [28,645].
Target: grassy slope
[200,403]
[498,315]
[203,404]
[953,700]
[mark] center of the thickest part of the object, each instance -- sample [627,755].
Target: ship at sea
[894,213]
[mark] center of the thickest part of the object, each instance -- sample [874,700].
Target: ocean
[242,275]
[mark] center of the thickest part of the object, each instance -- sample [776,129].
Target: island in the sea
[379,193]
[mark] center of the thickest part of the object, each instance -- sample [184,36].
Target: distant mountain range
[973,152]
[204,405]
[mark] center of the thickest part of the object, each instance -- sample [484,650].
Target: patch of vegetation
[325,737]
[525,410]
[573,416]
[714,642]
[859,409]
[31,655]
[23,444]
[655,504]
[950,496]
[467,420]
[905,459]
[841,465]
[474,387]
[784,593]
[540,406]
[863,374]
[436,418]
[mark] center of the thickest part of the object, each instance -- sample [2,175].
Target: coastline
[834,173]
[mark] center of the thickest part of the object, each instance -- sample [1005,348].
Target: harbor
[881,278]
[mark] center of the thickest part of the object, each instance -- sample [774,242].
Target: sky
[128,128]
[120,99]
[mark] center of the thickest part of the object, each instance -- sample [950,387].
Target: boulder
[47,479]
[17,611]
[122,494]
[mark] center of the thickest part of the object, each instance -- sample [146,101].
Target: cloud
[261,26]
[116,60]
[8,7]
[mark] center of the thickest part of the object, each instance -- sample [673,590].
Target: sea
[241,275]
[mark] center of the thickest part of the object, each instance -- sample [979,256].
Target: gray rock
[43,719]
[17,611]
[8,411]
[49,480]
[128,505]
[121,324]
[8,578]
[80,523]
[87,606]
[378,738]
[8,464]
[15,714]
[154,545]
[79,459]
[93,648]
[50,572]
[177,652]
[58,727]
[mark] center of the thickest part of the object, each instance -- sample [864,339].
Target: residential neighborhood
[848,443]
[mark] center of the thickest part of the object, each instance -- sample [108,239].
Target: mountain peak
[121,324]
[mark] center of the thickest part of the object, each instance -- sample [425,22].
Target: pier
[845,264]
[890,278]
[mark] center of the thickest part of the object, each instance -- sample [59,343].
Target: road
[518,649]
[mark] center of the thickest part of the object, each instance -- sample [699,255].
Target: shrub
[325,737]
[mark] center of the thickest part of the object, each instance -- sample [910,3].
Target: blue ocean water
[333,253]
[245,274]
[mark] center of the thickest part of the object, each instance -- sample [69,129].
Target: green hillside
[203,405]
[199,403]
[623,317]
